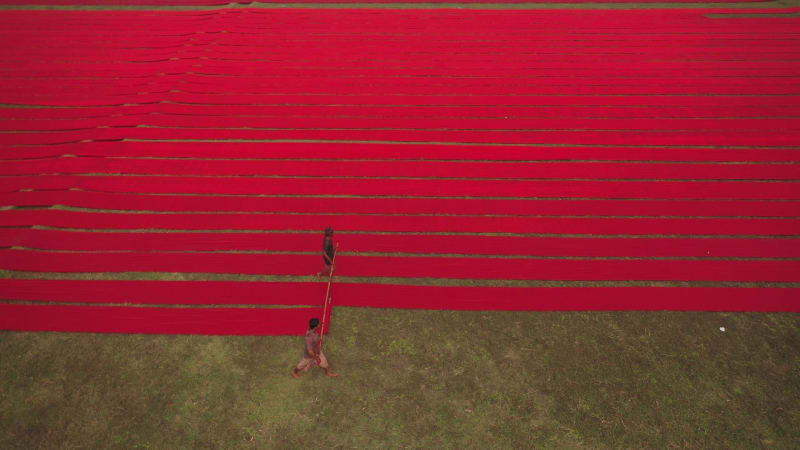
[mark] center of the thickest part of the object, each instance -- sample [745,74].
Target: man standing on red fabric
[328,252]
[312,353]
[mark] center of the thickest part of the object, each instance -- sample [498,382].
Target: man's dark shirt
[327,248]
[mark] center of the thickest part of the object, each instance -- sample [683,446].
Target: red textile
[407,205]
[739,190]
[407,296]
[123,115]
[224,2]
[568,299]
[415,169]
[452,224]
[783,138]
[124,319]
[414,243]
[163,292]
[613,145]
[410,267]
[236,150]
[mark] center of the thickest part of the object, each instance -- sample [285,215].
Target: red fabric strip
[436,23]
[368,16]
[739,190]
[112,95]
[397,152]
[453,224]
[121,319]
[119,2]
[55,117]
[222,2]
[783,138]
[140,77]
[565,99]
[436,169]
[406,296]
[423,244]
[467,26]
[198,122]
[567,298]
[525,83]
[163,292]
[178,52]
[408,205]
[409,267]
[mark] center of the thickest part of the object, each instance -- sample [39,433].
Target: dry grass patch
[417,379]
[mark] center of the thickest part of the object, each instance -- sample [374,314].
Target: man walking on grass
[312,354]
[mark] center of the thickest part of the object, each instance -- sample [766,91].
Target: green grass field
[418,379]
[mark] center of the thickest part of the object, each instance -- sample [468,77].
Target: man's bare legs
[326,272]
[296,372]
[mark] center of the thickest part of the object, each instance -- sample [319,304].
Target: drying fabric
[224,2]
[411,244]
[504,124]
[409,267]
[163,292]
[753,190]
[567,298]
[783,138]
[409,296]
[415,169]
[452,224]
[149,320]
[117,2]
[404,205]
[613,146]
[268,150]
[56,117]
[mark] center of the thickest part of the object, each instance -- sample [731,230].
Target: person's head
[329,231]
[313,323]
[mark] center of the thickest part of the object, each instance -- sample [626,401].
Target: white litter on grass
[721,328]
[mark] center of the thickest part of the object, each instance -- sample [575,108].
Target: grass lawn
[417,379]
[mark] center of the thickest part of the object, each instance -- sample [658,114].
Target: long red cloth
[163,292]
[401,205]
[407,243]
[454,187]
[783,138]
[667,142]
[401,223]
[150,320]
[328,151]
[568,298]
[415,169]
[761,270]
[407,296]
[225,2]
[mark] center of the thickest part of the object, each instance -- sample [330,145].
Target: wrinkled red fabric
[552,145]
[390,223]
[407,296]
[151,320]
[411,267]
[406,205]
[406,243]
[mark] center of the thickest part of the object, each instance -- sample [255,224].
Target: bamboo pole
[327,297]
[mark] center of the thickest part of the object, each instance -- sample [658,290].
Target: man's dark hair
[313,323]
[328,231]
